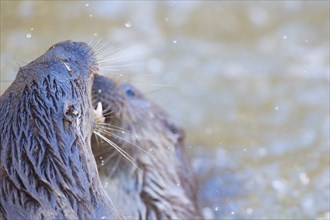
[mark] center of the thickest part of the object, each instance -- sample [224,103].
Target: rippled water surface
[248,80]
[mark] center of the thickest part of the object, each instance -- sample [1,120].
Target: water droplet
[285,37]
[123,132]
[95,34]
[279,185]
[101,158]
[276,108]
[304,179]
[28,35]
[99,91]
[150,149]
[244,150]
[174,41]
[103,217]
[262,151]
[86,5]
[216,208]
[178,184]
[249,211]
[208,131]
[32,29]
[102,162]
[90,15]
[128,24]
[208,213]
[233,213]
[67,66]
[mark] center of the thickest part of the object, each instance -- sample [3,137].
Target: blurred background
[248,80]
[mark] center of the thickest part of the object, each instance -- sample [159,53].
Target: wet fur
[165,188]
[47,170]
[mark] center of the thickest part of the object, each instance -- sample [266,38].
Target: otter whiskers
[109,156]
[104,129]
[121,151]
[100,115]
[124,139]
[114,59]
[121,130]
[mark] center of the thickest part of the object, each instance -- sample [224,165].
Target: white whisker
[122,138]
[111,130]
[121,151]
[107,114]
[117,128]
[135,145]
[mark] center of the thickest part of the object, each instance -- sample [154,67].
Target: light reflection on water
[249,81]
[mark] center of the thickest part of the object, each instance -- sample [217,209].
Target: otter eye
[130,92]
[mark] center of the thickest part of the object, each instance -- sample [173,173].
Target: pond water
[248,80]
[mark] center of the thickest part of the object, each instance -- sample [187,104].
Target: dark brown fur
[47,169]
[165,188]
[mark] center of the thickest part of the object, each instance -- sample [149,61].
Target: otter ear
[71,111]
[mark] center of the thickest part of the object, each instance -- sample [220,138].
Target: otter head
[47,167]
[130,120]
[161,185]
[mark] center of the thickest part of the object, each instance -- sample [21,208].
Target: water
[249,81]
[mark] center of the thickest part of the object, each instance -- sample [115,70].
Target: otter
[155,180]
[47,169]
